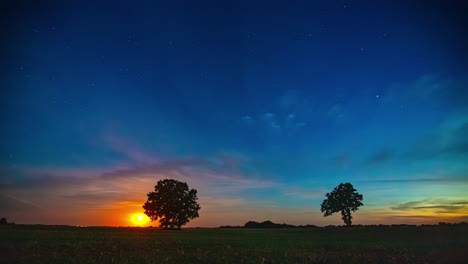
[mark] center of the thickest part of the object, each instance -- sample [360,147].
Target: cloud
[93,195]
[9,203]
[127,148]
[289,99]
[340,161]
[286,119]
[293,101]
[271,120]
[121,190]
[222,175]
[455,139]
[247,119]
[446,180]
[301,124]
[435,205]
[222,169]
[17,177]
[427,88]
[336,111]
[201,171]
[379,157]
[427,85]
[168,168]
[281,124]
[448,141]
[304,193]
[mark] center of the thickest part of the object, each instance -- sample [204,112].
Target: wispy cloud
[445,179]
[379,157]
[285,124]
[127,148]
[435,205]
[447,141]
[301,124]
[248,119]
[271,120]
[339,161]
[336,111]
[286,117]
[221,169]
[224,176]
[293,101]
[305,193]
[10,203]
[429,87]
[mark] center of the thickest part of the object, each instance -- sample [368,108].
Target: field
[49,244]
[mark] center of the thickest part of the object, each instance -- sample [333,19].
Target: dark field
[46,244]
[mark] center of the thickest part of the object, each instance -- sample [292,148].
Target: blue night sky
[262,106]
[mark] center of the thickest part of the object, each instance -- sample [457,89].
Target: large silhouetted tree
[345,199]
[172,203]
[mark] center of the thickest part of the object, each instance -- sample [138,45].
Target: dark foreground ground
[47,244]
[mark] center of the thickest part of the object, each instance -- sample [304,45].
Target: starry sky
[262,106]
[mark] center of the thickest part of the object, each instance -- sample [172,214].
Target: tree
[172,203]
[345,199]
[3,221]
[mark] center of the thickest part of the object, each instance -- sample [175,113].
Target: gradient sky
[262,106]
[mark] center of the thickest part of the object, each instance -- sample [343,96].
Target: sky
[262,106]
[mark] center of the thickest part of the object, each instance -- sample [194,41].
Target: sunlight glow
[139,219]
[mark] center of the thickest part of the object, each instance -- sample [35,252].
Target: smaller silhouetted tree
[345,199]
[172,203]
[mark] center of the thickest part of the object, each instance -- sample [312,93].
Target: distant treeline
[3,221]
[270,224]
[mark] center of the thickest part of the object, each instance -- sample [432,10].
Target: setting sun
[139,219]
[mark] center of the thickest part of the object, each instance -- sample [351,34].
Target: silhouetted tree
[345,199]
[3,221]
[172,203]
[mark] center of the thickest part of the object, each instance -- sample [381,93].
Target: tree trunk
[346,216]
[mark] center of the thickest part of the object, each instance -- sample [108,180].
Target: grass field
[48,244]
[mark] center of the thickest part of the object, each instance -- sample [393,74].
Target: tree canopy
[172,203]
[345,199]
